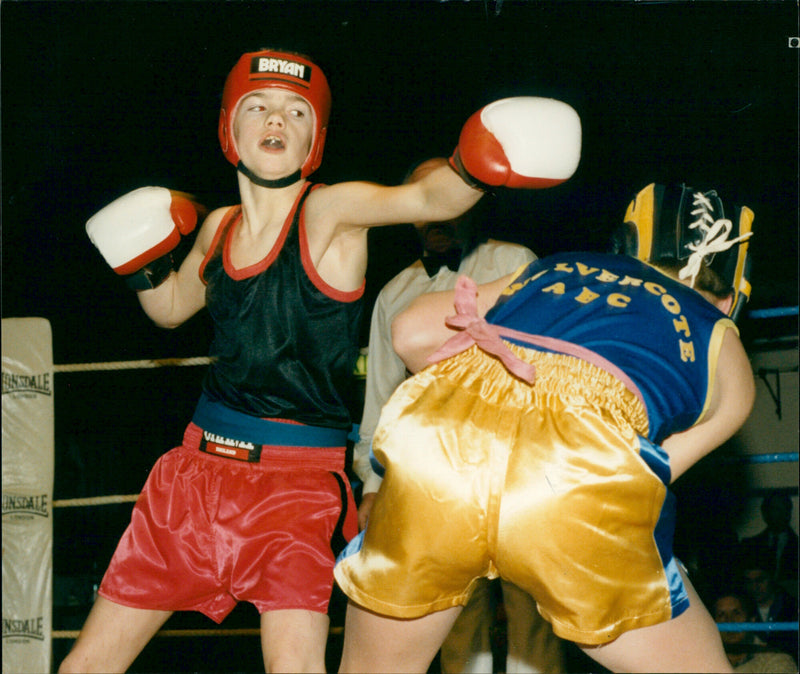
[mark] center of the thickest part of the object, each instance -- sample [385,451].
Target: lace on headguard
[691,227]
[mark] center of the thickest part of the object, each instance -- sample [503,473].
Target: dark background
[99,98]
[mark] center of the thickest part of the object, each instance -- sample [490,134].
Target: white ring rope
[120,365]
[221,632]
[133,364]
[94,500]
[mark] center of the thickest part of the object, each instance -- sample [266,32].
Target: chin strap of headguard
[291,179]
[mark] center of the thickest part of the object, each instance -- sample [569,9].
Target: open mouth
[273,143]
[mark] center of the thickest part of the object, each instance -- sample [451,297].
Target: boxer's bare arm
[182,294]
[420,329]
[731,402]
[520,142]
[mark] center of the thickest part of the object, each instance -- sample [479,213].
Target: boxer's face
[273,129]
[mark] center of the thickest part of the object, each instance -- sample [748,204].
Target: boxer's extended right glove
[522,142]
[137,233]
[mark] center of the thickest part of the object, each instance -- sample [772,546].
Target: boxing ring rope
[131,498]
[94,500]
[774,457]
[775,312]
[757,627]
[234,632]
[778,457]
[133,364]
[231,632]
[120,365]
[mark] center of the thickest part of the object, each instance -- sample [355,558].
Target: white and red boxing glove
[520,142]
[137,233]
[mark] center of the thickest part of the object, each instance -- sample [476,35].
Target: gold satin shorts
[550,486]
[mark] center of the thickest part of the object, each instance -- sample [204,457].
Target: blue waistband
[221,420]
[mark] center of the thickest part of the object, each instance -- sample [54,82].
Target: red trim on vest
[262,265]
[233,212]
[313,274]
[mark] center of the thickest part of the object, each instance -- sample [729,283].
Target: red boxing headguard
[281,70]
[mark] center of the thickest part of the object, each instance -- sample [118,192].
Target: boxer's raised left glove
[138,232]
[521,142]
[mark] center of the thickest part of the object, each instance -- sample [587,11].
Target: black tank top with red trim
[285,343]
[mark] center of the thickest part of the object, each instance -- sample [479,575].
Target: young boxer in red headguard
[254,505]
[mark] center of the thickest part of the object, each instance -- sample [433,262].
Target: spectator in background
[746,651]
[771,602]
[778,540]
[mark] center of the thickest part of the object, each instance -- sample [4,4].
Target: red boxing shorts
[208,531]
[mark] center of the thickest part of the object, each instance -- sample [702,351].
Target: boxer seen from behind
[540,445]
